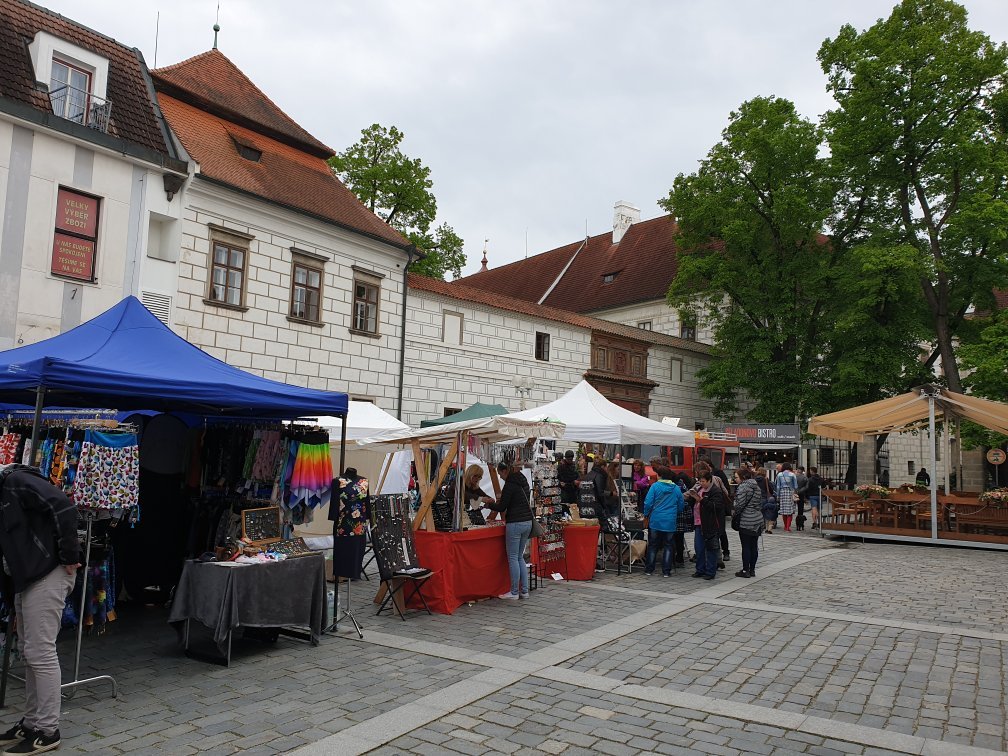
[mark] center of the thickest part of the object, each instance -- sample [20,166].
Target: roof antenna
[157,31]
[216,27]
[526,242]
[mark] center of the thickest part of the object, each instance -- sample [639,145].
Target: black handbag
[736,521]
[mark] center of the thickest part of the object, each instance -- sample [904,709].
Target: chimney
[624,216]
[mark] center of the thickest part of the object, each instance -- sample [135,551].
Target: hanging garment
[9,444]
[350,511]
[108,472]
[99,596]
[311,477]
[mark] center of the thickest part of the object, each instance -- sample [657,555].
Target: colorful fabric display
[311,475]
[108,472]
[100,597]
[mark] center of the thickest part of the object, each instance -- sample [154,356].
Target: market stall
[228,453]
[911,513]
[589,417]
[471,563]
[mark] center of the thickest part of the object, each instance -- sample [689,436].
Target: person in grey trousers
[41,554]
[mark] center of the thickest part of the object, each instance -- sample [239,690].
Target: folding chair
[395,555]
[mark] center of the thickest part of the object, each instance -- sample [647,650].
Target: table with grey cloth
[274,595]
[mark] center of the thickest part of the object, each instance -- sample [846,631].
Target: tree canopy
[802,322]
[907,178]
[919,139]
[398,189]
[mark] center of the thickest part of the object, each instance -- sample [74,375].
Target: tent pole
[959,473]
[342,446]
[37,421]
[934,468]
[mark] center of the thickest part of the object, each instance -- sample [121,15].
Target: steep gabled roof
[211,82]
[133,117]
[464,293]
[283,175]
[644,263]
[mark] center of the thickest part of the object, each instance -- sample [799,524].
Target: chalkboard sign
[261,525]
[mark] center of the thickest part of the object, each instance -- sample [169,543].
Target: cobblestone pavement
[867,649]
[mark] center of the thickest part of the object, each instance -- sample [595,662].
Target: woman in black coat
[709,512]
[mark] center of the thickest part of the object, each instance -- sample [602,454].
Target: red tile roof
[133,117]
[284,175]
[644,262]
[211,82]
[462,292]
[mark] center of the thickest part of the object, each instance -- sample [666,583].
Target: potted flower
[997,496]
[871,491]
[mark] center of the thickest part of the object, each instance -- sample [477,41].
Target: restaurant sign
[76,237]
[765,434]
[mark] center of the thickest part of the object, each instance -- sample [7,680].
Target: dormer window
[609,277]
[246,149]
[76,79]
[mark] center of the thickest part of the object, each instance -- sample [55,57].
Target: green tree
[398,189]
[918,139]
[803,324]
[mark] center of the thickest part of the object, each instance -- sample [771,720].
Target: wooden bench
[982,518]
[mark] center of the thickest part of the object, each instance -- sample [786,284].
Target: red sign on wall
[76,213]
[73,257]
[76,238]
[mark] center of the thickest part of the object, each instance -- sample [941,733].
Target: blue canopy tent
[128,359]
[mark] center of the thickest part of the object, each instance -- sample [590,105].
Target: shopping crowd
[675,505]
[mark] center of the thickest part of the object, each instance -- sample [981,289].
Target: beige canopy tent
[915,409]
[907,411]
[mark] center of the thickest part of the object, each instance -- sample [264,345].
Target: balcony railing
[81,107]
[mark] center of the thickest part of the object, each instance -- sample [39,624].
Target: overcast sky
[534,117]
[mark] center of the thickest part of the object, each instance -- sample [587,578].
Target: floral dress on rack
[352,505]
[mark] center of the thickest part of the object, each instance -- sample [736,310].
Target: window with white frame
[70,91]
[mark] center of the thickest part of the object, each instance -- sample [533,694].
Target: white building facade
[87,169]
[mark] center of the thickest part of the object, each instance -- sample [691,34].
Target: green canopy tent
[474,412]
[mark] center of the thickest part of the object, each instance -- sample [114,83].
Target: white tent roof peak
[364,420]
[591,418]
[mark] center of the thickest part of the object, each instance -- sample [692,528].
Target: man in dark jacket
[40,549]
[567,474]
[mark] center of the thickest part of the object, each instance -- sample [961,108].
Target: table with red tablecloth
[581,544]
[469,565]
[580,552]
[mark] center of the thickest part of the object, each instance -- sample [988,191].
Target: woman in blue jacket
[661,511]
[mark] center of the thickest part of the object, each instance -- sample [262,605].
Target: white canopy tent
[364,421]
[490,429]
[591,418]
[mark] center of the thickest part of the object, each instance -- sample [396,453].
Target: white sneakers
[509,596]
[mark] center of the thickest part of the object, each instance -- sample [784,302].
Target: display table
[468,565]
[582,551]
[291,592]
